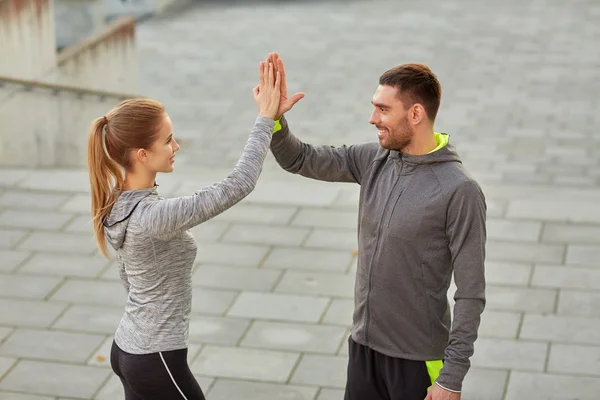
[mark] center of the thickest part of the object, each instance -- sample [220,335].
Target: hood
[445,152]
[115,225]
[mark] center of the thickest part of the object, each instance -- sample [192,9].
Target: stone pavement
[274,275]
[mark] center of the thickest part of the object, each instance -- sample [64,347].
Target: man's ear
[417,114]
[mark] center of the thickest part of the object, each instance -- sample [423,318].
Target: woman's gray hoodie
[156,252]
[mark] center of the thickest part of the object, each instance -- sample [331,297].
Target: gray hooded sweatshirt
[155,251]
[420,219]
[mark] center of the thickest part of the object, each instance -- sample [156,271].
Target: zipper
[368,319]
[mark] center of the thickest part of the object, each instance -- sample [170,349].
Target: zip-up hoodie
[420,219]
[156,251]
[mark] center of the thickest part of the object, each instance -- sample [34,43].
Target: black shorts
[156,376]
[375,376]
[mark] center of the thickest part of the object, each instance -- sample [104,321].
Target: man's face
[391,119]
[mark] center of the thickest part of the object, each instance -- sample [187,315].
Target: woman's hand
[267,93]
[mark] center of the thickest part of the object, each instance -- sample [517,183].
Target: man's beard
[400,137]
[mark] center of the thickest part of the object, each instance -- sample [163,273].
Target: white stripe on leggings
[173,379]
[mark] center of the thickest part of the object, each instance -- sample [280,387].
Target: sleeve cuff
[445,388]
[277,126]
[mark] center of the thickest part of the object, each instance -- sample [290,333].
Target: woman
[154,248]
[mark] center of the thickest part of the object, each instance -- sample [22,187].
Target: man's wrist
[445,388]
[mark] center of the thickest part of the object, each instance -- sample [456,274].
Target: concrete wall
[103,61]
[46,125]
[48,99]
[27,40]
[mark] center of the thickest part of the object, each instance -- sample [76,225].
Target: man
[421,219]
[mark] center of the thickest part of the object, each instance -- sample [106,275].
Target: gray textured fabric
[420,219]
[155,251]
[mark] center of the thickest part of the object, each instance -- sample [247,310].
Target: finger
[271,83]
[262,74]
[256,90]
[278,83]
[265,75]
[281,67]
[297,97]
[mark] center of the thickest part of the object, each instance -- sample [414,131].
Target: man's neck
[422,143]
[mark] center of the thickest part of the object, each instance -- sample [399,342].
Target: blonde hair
[132,124]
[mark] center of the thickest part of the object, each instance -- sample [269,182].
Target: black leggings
[156,376]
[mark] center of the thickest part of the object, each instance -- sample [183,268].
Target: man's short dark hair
[416,84]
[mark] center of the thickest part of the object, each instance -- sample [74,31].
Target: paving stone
[79,291]
[90,319]
[577,303]
[78,203]
[520,299]
[210,230]
[565,277]
[110,273]
[298,337]
[554,210]
[587,255]
[316,283]
[564,329]
[571,233]
[499,324]
[503,353]
[274,235]
[340,312]
[332,239]
[63,265]
[484,384]
[4,332]
[217,330]
[325,219]
[523,385]
[12,176]
[331,394]
[10,237]
[101,355]
[281,307]
[19,396]
[502,229]
[524,252]
[209,301]
[57,180]
[242,255]
[10,260]
[254,213]
[55,379]
[6,363]
[507,273]
[293,192]
[225,389]
[59,242]
[46,220]
[308,259]
[318,370]
[233,362]
[81,224]
[65,346]
[569,359]
[241,278]
[31,200]
[29,313]
[27,287]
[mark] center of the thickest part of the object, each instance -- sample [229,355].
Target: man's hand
[439,393]
[285,103]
